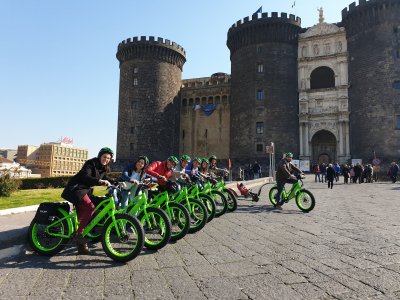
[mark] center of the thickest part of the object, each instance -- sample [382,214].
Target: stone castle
[328,93]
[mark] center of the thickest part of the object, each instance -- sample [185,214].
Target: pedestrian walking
[330,175]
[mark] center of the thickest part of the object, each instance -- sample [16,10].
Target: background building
[329,93]
[52,159]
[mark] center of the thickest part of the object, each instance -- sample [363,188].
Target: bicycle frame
[296,187]
[107,208]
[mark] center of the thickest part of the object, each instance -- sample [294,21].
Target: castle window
[260,68]
[132,129]
[398,122]
[134,104]
[396,84]
[183,134]
[131,146]
[135,70]
[322,77]
[259,49]
[260,94]
[259,147]
[135,81]
[259,127]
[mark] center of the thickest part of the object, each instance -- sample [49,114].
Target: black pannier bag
[47,211]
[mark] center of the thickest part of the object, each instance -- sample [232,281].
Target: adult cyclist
[284,174]
[214,171]
[179,175]
[162,170]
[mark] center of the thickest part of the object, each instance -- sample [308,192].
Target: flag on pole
[294,3]
[258,11]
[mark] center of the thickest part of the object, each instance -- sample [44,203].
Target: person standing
[330,175]
[393,170]
[322,167]
[317,172]
[93,172]
[257,170]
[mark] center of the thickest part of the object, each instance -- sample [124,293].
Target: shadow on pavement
[255,209]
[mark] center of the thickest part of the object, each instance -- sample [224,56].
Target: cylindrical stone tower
[264,100]
[150,81]
[373,41]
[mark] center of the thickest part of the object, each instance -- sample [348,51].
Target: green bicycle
[229,195]
[177,213]
[122,235]
[197,210]
[219,198]
[304,198]
[155,221]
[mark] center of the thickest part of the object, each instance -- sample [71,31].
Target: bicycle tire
[272,195]
[111,240]
[198,215]
[305,197]
[158,233]
[232,200]
[44,243]
[180,220]
[220,202]
[209,204]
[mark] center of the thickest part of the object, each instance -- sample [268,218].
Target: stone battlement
[364,4]
[151,40]
[264,18]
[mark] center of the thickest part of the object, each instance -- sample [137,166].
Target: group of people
[251,171]
[96,171]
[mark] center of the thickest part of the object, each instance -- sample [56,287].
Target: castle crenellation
[264,18]
[337,83]
[151,41]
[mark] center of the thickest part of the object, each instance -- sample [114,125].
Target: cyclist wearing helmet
[179,172]
[192,169]
[203,169]
[162,170]
[93,172]
[131,175]
[216,172]
[284,175]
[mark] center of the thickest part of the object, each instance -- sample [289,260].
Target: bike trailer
[47,211]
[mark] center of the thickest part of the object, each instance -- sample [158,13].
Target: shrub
[8,185]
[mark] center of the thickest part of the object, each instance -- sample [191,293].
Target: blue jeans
[280,185]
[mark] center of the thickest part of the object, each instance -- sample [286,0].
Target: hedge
[50,182]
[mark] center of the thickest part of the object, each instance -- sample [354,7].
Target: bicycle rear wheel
[47,239]
[209,204]
[126,243]
[157,228]
[273,192]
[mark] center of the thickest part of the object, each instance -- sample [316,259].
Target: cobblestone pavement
[348,247]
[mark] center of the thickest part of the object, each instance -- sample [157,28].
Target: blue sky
[58,72]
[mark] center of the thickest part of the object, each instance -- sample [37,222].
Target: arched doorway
[323,147]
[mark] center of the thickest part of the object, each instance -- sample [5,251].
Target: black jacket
[82,183]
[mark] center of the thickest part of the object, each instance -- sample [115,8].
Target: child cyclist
[131,175]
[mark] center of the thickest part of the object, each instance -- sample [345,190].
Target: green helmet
[205,160]
[173,159]
[145,158]
[289,154]
[105,150]
[212,157]
[185,157]
[197,159]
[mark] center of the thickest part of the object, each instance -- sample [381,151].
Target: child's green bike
[122,235]
[304,198]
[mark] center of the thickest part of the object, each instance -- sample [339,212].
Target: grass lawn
[31,197]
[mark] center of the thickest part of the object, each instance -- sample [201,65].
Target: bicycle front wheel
[209,204]
[232,200]
[220,202]
[198,215]
[305,201]
[156,226]
[122,239]
[49,239]
[180,220]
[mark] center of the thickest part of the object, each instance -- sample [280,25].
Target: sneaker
[278,206]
